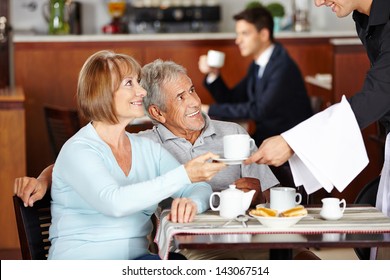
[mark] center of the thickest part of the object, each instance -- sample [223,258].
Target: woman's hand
[202,169]
[183,210]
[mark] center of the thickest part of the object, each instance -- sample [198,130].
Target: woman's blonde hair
[99,78]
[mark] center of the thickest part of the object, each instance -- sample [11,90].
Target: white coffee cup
[283,198]
[332,208]
[215,59]
[237,146]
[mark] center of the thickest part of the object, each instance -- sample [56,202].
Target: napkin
[329,149]
[383,195]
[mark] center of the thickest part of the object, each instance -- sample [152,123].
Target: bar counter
[22,38]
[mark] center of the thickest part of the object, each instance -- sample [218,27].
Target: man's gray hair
[154,76]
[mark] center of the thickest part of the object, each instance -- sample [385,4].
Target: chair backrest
[306,254]
[33,227]
[367,195]
[316,103]
[61,124]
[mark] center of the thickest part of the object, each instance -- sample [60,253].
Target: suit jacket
[279,102]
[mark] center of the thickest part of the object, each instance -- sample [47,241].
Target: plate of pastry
[271,218]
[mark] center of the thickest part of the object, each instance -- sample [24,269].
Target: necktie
[255,75]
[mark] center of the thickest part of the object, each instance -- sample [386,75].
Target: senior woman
[106,182]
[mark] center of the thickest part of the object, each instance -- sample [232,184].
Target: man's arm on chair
[31,189]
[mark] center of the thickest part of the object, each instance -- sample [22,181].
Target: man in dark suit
[273,92]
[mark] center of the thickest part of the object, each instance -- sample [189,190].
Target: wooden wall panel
[49,73]
[12,162]
[312,55]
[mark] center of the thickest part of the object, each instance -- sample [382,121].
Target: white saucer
[230,161]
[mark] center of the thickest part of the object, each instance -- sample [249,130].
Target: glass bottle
[301,15]
[58,22]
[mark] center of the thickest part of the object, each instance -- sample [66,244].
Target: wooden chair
[33,227]
[306,255]
[316,103]
[367,195]
[61,125]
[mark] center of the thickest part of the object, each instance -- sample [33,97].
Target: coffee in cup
[237,146]
[283,198]
[215,59]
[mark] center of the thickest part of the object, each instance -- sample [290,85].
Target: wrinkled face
[128,99]
[341,8]
[248,39]
[183,115]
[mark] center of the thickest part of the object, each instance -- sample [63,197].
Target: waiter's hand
[183,210]
[273,151]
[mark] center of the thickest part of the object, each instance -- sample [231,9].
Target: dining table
[360,227]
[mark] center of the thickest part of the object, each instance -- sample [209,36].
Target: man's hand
[205,108]
[267,196]
[273,151]
[183,210]
[319,2]
[204,68]
[30,189]
[247,184]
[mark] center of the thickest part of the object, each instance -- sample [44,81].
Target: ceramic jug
[332,208]
[232,202]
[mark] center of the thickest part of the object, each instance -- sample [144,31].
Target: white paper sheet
[329,149]
[383,195]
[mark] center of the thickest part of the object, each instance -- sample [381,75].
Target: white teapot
[232,202]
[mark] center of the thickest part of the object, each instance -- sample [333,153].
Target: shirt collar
[379,14]
[263,59]
[165,134]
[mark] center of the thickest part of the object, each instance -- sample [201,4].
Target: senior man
[180,127]
[173,104]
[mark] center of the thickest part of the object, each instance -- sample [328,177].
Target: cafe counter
[23,37]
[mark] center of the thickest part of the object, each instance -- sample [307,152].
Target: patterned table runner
[354,220]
